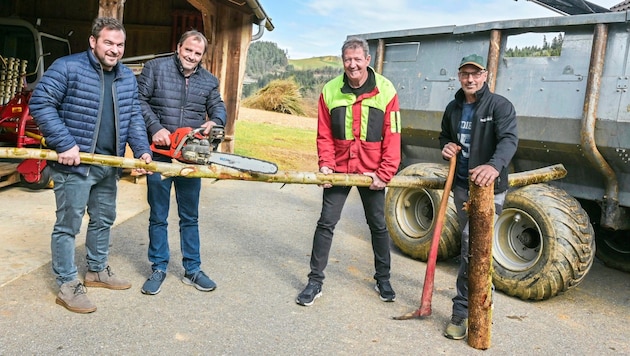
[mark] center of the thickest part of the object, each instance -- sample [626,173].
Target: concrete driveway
[27,221]
[256,240]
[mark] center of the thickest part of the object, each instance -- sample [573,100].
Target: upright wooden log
[481,223]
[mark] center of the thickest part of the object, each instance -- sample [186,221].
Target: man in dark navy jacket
[88,102]
[176,91]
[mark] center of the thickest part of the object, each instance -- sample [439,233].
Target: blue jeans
[333,201]
[187,192]
[73,192]
[460,195]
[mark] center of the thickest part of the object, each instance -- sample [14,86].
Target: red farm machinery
[25,53]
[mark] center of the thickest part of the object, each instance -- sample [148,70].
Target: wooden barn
[154,27]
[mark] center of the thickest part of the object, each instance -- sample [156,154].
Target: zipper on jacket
[97,126]
[182,104]
[116,128]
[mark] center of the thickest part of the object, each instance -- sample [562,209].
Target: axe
[427,290]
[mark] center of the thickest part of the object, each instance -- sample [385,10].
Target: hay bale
[281,96]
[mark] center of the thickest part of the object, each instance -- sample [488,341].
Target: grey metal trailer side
[572,109]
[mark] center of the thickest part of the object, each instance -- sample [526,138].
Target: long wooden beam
[292,177]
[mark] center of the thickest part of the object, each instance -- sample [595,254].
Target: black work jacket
[494,136]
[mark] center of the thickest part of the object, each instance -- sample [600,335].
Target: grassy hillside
[291,149]
[316,62]
[287,140]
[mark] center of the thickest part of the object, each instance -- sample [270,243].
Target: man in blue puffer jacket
[176,91]
[88,102]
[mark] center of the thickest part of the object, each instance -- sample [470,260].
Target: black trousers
[333,201]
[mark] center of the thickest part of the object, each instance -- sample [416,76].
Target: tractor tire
[44,181]
[543,243]
[613,248]
[411,215]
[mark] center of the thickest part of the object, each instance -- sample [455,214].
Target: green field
[292,149]
[316,62]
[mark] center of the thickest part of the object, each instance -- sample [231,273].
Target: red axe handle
[427,290]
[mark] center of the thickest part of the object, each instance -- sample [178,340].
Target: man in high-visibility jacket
[358,132]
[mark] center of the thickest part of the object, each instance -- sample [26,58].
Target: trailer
[572,108]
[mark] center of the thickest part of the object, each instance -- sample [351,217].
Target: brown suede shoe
[72,297]
[105,279]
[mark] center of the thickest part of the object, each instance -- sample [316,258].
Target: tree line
[266,63]
[274,84]
[547,50]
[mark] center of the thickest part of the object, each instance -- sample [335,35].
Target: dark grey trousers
[460,301]
[333,201]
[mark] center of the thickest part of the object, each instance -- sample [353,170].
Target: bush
[281,96]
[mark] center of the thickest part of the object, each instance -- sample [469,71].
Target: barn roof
[622,6]
[254,7]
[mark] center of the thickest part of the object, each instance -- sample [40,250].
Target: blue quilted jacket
[169,102]
[65,106]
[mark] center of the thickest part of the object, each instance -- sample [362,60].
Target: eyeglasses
[475,75]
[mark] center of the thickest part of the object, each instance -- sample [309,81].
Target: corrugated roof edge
[560,21]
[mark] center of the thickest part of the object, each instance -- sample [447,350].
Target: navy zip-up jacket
[66,106]
[168,102]
[494,136]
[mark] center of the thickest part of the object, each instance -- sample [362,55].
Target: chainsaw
[190,145]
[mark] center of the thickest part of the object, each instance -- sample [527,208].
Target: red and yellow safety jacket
[359,134]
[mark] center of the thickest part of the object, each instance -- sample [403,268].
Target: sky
[313,28]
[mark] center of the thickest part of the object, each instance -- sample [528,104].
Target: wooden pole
[481,224]
[429,276]
[380,56]
[494,53]
[111,8]
[221,173]
[338,179]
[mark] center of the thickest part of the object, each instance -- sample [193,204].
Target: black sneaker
[200,281]
[312,291]
[385,291]
[153,285]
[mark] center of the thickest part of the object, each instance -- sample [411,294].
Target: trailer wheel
[411,214]
[613,248]
[543,243]
[43,182]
